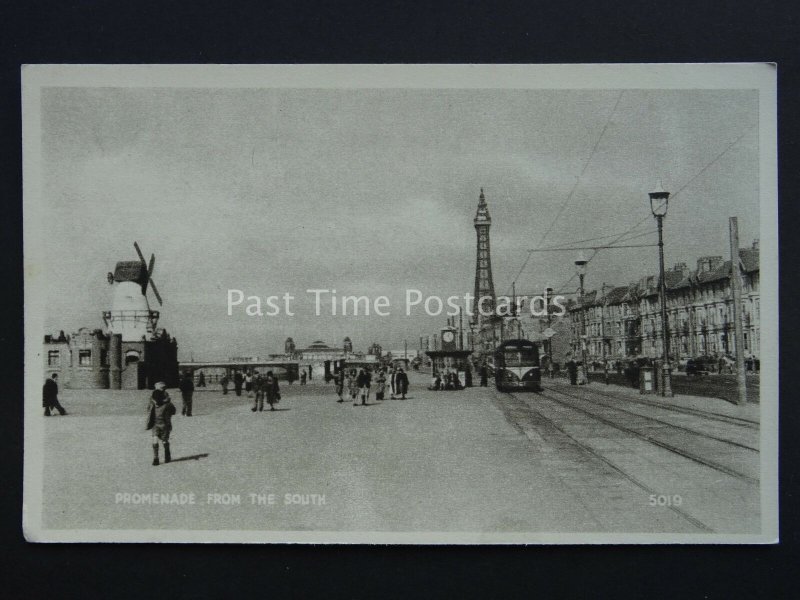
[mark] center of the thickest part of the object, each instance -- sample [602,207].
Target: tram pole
[603,334]
[580,267]
[736,289]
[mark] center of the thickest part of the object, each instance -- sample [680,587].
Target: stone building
[624,322]
[94,359]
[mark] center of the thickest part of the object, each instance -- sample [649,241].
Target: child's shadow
[192,457]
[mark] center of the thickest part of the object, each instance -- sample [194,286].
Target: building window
[85,358]
[53,358]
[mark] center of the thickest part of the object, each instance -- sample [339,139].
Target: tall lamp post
[580,268]
[472,335]
[659,202]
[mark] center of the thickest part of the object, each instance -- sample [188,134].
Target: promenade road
[468,461]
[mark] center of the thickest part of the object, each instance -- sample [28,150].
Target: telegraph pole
[603,335]
[585,369]
[736,289]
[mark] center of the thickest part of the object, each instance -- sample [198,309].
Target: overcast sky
[372,192]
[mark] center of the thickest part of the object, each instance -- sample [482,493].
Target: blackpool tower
[484,287]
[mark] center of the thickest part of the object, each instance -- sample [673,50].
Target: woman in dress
[352,386]
[272,391]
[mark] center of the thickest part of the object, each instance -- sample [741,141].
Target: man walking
[572,369]
[50,396]
[186,386]
[237,382]
[259,386]
[402,383]
[338,381]
[224,383]
[484,375]
[363,385]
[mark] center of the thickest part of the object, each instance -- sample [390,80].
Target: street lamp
[472,335]
[659,202]
[580,269]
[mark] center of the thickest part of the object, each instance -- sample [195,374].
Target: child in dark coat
[159,418]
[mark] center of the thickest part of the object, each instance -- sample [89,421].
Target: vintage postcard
[440,304]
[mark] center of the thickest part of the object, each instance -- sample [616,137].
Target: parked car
[697,366]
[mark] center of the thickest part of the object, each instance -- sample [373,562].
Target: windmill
[130,313]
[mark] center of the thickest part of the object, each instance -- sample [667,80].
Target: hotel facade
[625,322]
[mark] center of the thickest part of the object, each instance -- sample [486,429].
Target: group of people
[358,384]
[264,388]
[160,408]
[447,380]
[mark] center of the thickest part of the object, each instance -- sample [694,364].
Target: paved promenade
[474,461]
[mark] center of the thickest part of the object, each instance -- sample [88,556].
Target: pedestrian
[352,386]
[50,396]
[436,383]
[628,371]
[636,369]
[310,371]
[224,383]
[186,386]
[303,377]
[380,385]
[201,379]
[272,391]
[248,384]
[159,419]
[402,383]
[393,383]
[260,389]
[338,381]
[484,375]
[363,382]
[237,382]
[572,369]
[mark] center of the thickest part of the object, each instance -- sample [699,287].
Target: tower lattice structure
[484,286]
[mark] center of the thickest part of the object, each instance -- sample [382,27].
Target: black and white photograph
[401,304]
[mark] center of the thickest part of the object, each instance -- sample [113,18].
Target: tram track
[711,416]
[595,455]
[671,447]
[656,420]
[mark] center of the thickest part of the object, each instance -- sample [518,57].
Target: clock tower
[484,286]
[449,342]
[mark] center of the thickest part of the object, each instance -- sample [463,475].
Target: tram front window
[517,357]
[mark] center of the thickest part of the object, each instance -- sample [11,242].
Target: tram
[517,368]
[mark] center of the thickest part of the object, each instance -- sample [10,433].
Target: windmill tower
[130,315]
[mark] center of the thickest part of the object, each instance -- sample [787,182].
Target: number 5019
[663,500]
